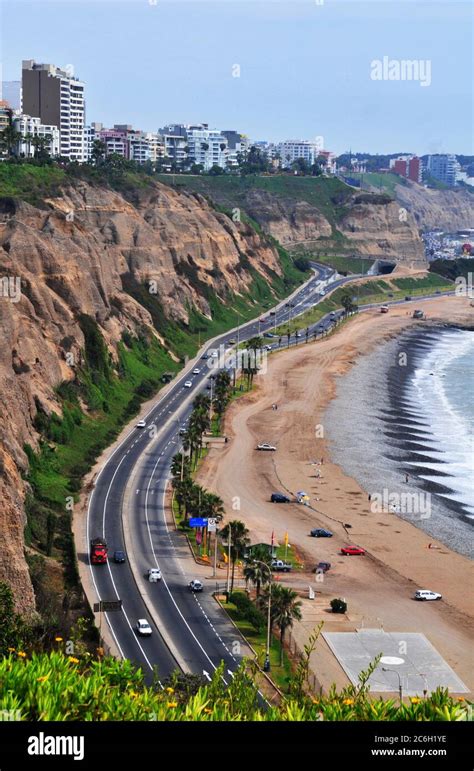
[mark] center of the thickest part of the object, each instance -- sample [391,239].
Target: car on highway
[319,532]
[268,334]
[232,341]
[266,446]
[322,567]
[279,498]
[196,371]
[267,347]
[188,384]
[426,594]
[143,627]
[408,297]
[214,354]
[119,556]
[352,551]
[141,424]
[183,430]
[154,574]
[195,585]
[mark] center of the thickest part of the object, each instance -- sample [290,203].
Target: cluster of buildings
[48,108]
[408,166]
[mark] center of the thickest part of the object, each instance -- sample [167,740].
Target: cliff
[447,210]
[73,255]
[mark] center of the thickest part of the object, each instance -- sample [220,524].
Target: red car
[352,550]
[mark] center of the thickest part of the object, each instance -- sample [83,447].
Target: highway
[126,507]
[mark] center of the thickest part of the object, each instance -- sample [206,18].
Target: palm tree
[250,366]
[285,609]
[257,568]
[239,541]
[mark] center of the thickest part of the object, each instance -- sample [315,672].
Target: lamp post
[266,665]
[400,692]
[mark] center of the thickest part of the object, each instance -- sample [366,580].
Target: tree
[249,365]
[9,138]
[347,304]
[285,609]
[255,571]
[301,166]
[254,162]
[98,153]
[216,170]
[239,541]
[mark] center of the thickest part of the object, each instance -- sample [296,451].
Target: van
[426,594]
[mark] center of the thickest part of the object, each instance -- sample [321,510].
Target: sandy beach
[378,586]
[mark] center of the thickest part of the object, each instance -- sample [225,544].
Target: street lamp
[400,692]
[266,664]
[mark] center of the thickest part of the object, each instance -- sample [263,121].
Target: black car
[119,556]
[322,567]
[408,297]
[279,498]
[320,533]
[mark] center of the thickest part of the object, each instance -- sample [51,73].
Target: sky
[272,69]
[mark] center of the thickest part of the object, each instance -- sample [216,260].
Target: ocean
[402,424]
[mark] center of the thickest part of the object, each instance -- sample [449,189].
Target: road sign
[106,606]
[211,525]
[197,522]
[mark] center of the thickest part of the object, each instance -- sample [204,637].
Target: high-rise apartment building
[444,168]
[56,97]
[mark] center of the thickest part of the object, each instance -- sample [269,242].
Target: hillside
[102,292]
[317,214]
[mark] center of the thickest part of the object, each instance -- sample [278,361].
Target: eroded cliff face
[447,210]
[370,224]
[69,258]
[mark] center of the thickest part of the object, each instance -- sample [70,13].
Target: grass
[280,675]
[30,183]
[385,182]
[326,193]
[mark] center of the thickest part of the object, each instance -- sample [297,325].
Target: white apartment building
[30,127]
[292,149]
[56,97]
[208,147]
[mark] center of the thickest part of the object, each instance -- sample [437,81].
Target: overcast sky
[303,67]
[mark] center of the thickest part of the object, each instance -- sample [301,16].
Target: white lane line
[163,578]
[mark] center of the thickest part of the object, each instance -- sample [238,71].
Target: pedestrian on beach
[322,461]
[406,478]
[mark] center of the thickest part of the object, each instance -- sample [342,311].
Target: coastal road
[126,507]
[187,632]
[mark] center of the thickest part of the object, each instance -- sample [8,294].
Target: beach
[313,456]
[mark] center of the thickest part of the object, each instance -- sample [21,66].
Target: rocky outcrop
[286,220]
[71,257]
[447,210]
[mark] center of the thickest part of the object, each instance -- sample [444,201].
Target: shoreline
[379,586]
[392,434]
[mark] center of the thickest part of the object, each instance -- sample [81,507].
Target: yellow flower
[73,660]
[133,694]
[172,704]
[22,654]
[42,679]
[415,700]
[461,698]
[207,711]
[58,639]
[169,690]
[348,701]
[315,701]
[11,650]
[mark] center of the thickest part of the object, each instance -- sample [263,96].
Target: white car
[196,371]
[154,574]
[214,354]
[267,347]
[141,424]
[188,384]
[143,627]
[195,585]
[426,594]
[266,446]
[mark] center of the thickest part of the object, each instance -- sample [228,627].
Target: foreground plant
[55,686]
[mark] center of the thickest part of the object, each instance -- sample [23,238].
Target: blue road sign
[197,522]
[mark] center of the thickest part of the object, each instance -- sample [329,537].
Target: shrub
[338,606]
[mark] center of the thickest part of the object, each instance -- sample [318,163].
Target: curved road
[126,507]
